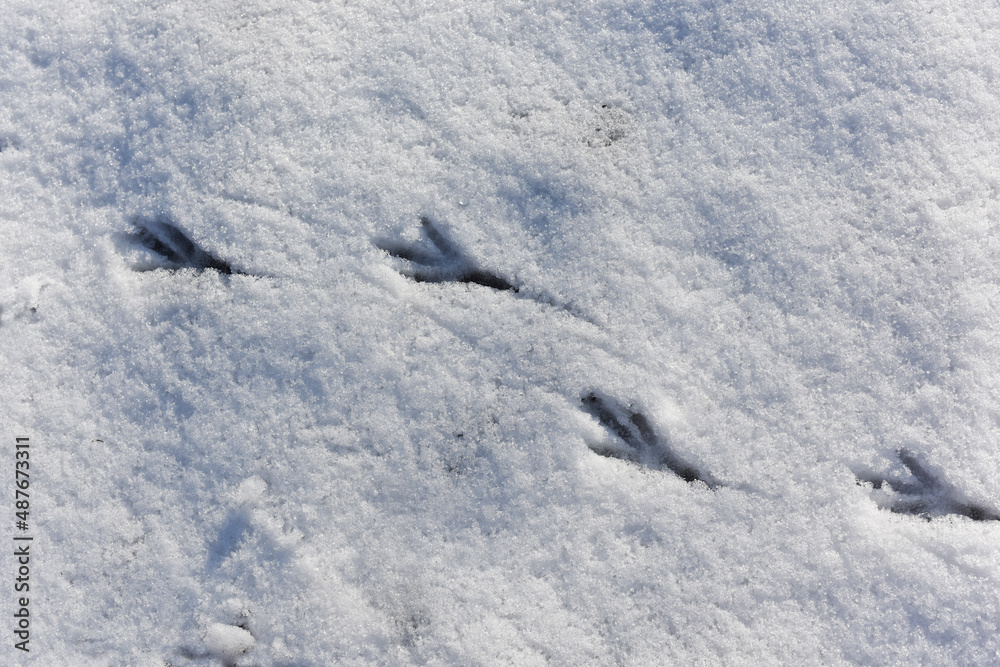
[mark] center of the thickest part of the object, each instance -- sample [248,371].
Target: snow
[228,642]
[765,233]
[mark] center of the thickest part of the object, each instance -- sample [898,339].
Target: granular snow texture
[574,333]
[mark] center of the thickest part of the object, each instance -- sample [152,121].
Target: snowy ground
[750,242]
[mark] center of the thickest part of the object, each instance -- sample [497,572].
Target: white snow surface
[772,228]
[228,642]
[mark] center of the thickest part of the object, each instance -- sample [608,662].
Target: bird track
[920,493]
[173,249]
[637,442]
[444,263]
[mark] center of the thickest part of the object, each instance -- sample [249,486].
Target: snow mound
[228,642]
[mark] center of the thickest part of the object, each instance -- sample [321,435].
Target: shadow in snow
[230,537]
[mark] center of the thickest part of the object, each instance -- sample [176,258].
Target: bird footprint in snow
[919,492]
[636,441]
[444,262]
[172,249]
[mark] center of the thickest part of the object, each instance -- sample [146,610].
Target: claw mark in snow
[922,493]
[638,442]
[173,248]
[445,263]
